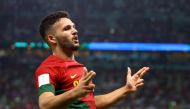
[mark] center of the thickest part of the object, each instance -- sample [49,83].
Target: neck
[64,54]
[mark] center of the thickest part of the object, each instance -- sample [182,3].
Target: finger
[139,85]
[141,72]
[89,87]
[128,72]
[87,75]
[85,72]
[140,81]
[144,72]
[88,91]
[89,78]
[84,76]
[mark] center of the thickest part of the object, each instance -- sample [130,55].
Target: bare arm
[48,100]
[132,84]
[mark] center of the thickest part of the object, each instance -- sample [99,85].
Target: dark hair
[49,20]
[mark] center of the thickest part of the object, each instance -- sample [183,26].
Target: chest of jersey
[70,76]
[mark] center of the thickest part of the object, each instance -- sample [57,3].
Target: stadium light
[116,46]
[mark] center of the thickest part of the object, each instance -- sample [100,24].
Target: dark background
[157,21]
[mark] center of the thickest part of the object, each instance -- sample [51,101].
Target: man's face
[66,34]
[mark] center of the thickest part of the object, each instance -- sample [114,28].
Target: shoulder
[72,63]
[49,65]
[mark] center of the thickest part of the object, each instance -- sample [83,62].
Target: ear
[51,39]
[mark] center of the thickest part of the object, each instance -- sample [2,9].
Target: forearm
[133,83]
[48,100]
[107,100]
[61,101]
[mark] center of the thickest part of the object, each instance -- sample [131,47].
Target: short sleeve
[45,80]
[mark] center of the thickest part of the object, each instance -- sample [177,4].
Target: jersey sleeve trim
[46,88]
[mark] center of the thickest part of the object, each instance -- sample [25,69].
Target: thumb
[85,72]
[128,84]
[128,72]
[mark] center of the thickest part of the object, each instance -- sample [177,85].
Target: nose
[74,32]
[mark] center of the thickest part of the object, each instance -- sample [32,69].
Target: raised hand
[133,82]
[84,86]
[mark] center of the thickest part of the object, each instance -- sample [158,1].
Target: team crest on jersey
[43,79]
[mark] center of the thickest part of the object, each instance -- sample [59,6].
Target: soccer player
[62,82]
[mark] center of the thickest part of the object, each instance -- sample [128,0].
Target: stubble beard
[65,44]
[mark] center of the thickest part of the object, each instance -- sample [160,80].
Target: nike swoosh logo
[73,76]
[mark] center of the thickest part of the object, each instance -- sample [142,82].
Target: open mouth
[75,39]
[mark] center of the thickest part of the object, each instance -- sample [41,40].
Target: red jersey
[58,76]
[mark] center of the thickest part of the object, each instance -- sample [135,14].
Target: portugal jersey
[58,76]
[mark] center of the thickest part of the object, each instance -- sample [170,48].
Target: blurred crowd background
[167,85]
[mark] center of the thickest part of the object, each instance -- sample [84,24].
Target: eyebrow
[73,25]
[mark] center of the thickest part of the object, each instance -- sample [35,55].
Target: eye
[74,26]
[66,28]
